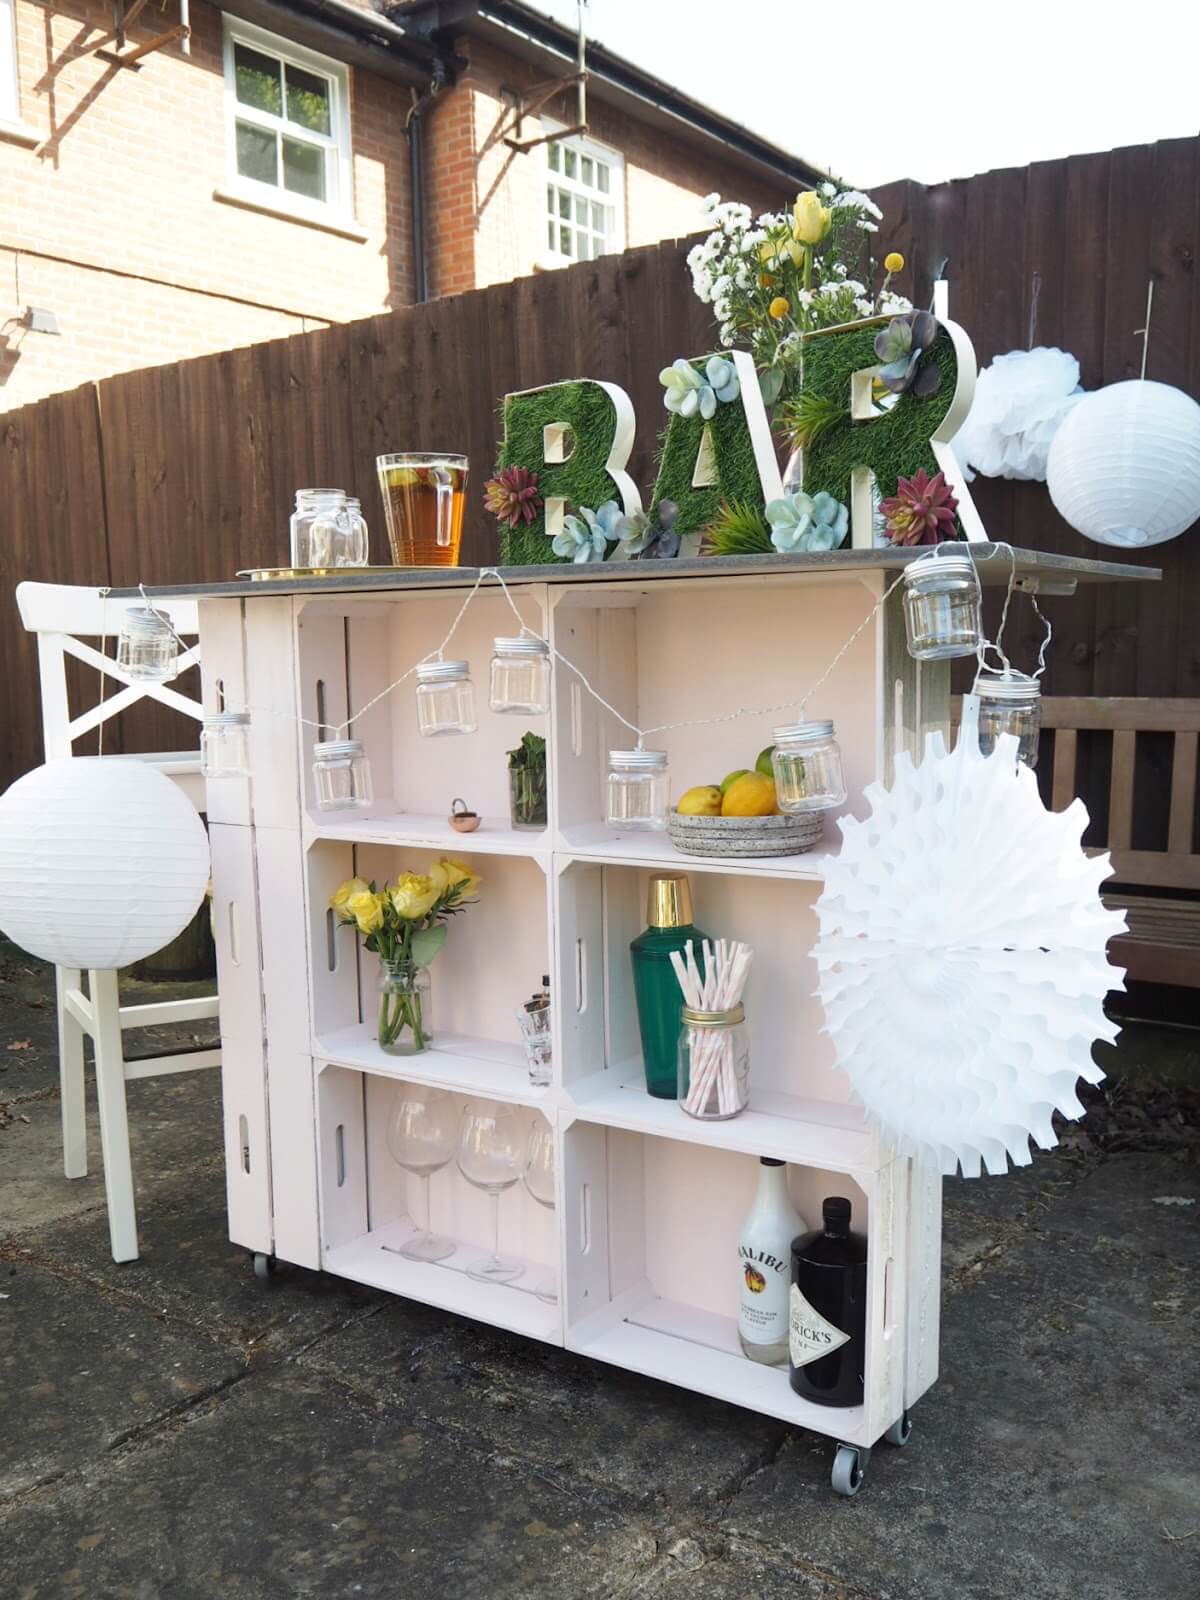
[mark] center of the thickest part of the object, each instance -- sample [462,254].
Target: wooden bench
[1163,941]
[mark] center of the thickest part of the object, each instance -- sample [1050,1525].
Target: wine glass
[539,1180]
[491,1155]
[420,1135]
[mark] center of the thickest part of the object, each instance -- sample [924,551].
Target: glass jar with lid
[942,606]
[225,745]
[714,1063]
[341,775]
[316,527]
[637,789]
[147,646]
[520,677]
[1009,702]
[445,698]
[808,767]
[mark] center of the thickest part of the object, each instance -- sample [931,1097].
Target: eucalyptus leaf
[770,382]
[426,943]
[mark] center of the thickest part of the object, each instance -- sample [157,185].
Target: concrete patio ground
[172,1428]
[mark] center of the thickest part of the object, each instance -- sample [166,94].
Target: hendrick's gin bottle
[827,1311]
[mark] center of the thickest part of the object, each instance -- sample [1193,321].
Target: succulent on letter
[690,392]
[921,511]
[512,495]
[586,537]
[807,522]
[900,346]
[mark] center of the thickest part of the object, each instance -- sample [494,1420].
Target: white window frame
[10,90]
[339,168]
[614,160]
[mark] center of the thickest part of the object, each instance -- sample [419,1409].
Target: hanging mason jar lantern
[225,745]
[808,767]
[637,789]
[445,698]
[342,775]
[942,606]
[520,679]
[1009,702]
[147,646]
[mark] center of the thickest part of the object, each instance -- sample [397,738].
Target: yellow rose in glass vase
[811,219]
[365,909]
[413,895]
[459,876]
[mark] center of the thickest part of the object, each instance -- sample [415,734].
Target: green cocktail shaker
[659,998]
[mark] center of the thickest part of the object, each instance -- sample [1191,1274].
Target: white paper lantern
[102,862]
[1124,468]
[962,956]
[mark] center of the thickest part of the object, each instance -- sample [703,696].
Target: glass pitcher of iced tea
[423,499]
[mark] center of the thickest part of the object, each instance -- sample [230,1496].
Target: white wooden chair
[58,614]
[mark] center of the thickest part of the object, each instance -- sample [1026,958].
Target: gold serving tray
[280,574]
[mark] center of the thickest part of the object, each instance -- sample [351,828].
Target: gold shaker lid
[669,901]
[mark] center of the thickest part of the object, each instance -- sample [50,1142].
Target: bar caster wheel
[264,1266]
[900,1432]
[849,1469]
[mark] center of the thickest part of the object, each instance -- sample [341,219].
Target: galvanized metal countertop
[993,561]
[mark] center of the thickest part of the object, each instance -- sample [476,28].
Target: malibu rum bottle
[827,1311]
[765,1265]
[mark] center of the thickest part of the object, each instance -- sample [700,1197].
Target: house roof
[527,32]
[355,31]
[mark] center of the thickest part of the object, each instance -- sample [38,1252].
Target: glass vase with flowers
[406,923]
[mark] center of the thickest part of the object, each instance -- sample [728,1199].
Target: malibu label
[765,1266]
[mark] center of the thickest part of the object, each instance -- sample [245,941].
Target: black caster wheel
[264,1266]
[900,1432]
[849,1469]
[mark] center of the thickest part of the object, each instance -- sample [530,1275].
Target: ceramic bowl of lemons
[740,817]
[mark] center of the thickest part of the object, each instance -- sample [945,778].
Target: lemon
[702,801]
[751,795]
[731,777]
[763,764]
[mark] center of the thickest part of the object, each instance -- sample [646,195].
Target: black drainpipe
[416,179]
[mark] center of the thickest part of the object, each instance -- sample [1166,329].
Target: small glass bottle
[342,775]
[520,678]
[315,528]
[655,986]
[765,1266]
[445,698]
[942,606]
[827,1311]
[147,646]
[637,790]
[714,1063]
[225,745]
[1009,702]
[352,547]
[808,767]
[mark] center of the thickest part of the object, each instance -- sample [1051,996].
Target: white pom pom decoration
[962,956]
[1020,402]
[102,862]
[1124,468]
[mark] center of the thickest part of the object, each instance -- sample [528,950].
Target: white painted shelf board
[807,1133]
[594,841]
[454,1061]
[698,1350]
[373,1259]
[493,837]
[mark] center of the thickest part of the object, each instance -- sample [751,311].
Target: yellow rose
[412,895]
[893,262]
[459,876]
[366,909]
[774,251]
[811,218]
[339,898]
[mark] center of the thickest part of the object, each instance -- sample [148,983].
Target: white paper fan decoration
[962,956]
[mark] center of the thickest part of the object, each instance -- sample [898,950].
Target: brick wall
[123,184]
[488,202]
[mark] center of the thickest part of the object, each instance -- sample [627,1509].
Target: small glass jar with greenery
[527,783]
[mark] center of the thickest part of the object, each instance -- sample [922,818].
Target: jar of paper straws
[714,1053]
